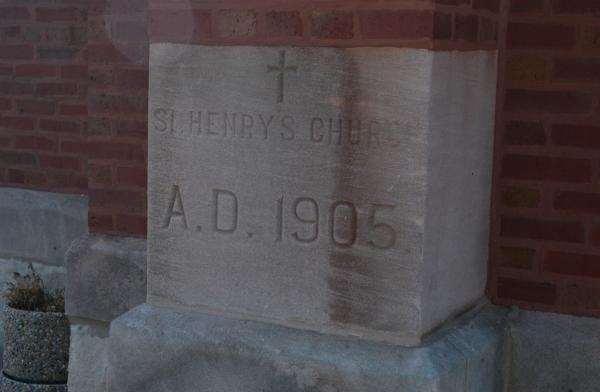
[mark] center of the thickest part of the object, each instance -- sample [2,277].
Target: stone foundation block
[154,349]
[106,276]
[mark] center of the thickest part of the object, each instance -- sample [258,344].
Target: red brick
[585,265]
[117,7]
[12,122]
[442,26]
[6,70]
[71,14]
[396,24]
[591,37]
[32,106]
[488,5]
[106,150]
[16,88]
[135,176]
[60,126]
[105,104]
[36,179]
[488,30]
[5,104]
[576,6]
[579,69]
[132,78]
[67,180]
[580,297]
[16,52]
[99,126]
[595,235]
[105,54]
[56,89]
[332,24]
[519,197]
[134,31]
[518,6]
[73,110]
[526,67]
[132,224]
[452,2]
[570,102]
[16,176]
[98,221]
[35,70]
[119,199]
[588,203]
[35,143]
[17,158]
[14,13]
[133,129]
[532,35]
[283,24]
[584,136]
[99,174]
[8,33]
[62,53]
[524,133]
[235,23]
[60,162]
[544,168]
[522,290]
[517,258]
[101,77]
[179,25]
[466,27]
[537,229]
[79,72]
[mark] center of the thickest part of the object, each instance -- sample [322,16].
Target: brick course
[545,251]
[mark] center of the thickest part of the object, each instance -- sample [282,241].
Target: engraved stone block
[339,190]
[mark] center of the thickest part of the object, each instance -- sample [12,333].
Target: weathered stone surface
[553,353]
[40,226]
[88,356]
[8,385]
[106,276]
[36,349]
[155,349]
[338,190]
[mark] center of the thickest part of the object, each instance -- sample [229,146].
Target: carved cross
[281,68]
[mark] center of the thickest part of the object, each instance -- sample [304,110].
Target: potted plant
[36,332]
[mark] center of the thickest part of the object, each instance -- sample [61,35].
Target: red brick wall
[546,213]
[42,94]
[117,130]
[439,24]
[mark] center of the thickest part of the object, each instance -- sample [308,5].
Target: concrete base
[88,356]
[153,349]
[553,353]
[9,385]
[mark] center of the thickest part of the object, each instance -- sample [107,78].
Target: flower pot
[36,346]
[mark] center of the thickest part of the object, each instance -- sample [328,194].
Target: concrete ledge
[154,349]
[40,226]
[8,385]
[88,356]
[106,276]
[554,353]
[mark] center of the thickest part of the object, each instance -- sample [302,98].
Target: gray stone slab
[154,349]
[88,356]
[40,226]
[106,276]
[554,353]
[338,190]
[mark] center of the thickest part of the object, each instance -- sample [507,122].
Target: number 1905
[342,217]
